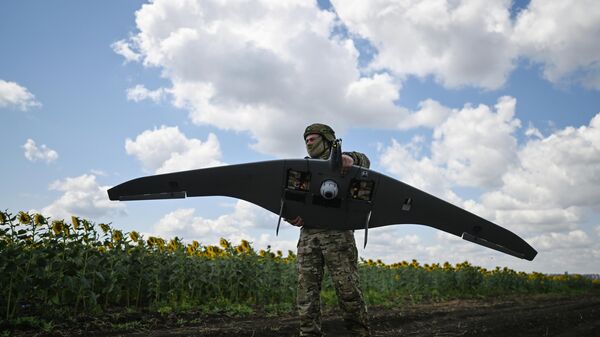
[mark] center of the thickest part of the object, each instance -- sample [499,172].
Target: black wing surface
[291,188]
[258,183]
[399,203]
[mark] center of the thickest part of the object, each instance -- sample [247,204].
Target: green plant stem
[9,297]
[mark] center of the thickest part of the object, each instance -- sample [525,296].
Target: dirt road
[526,316]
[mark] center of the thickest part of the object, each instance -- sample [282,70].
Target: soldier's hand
[347,163]
[298,222]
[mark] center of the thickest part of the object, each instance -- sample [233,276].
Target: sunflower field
[57,267]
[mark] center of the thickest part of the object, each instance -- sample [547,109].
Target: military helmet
[321,129]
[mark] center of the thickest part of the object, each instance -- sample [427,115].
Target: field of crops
[71,268]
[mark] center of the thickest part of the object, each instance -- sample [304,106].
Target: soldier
[335,249]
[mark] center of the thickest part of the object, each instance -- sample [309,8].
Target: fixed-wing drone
[316,190]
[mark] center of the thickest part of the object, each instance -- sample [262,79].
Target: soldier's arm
[360,159]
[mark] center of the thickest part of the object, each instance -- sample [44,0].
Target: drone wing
[258,183]
[290,188]
[399,203]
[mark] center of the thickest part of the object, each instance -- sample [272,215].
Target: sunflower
[24,218]
[75,222]
[224,243]
[213,251]
[57,226]
[151,241]
[134,236]
[246,246]
[105,228]
[173,245]
[191,250]
[117,236]
[39,219]
[86,225]
[67,231]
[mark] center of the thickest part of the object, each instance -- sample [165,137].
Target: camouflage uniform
[335,249]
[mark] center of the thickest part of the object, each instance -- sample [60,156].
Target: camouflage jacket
[360,159]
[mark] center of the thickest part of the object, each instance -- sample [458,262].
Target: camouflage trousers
[335,249]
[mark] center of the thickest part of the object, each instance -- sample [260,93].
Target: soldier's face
[315,146]
[311,139]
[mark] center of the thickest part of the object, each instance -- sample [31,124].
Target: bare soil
[547,315]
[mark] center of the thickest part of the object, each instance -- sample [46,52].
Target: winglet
[492,245]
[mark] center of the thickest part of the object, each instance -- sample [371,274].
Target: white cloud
[473,146]
[532,131]
[272,67]
[140,93]
[563,36]
[82,196]
[34,153]
[268,68]
[475,42]
[168,150]
[98,172]
[14,95]
[476,144]
[572,251]
[547,185]
[554,241]
[555,181]
[122,48]
[430,114]
[458,42]
[405,162]
[246,221]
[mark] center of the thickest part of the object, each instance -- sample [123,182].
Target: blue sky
[490,108]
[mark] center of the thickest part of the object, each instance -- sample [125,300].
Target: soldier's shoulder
[360,159]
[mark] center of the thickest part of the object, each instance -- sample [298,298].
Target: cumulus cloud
[570,251]
[457,42]
[562,36]
[122,48]
[140,93]
[569,240]
[475,42]
[267,68]
[34,153]
[476,144]
[532,131]
[14,95]
[430,114]
[554,182]
[548,184]
[271,68]
[406,163]
[82,196]
[167,149]
[401,243]
[473,146]
[246,221]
